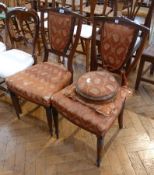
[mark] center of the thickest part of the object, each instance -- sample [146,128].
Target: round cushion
[97,85]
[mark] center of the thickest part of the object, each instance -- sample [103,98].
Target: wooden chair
[19,31]
[3,11]
[118,36]
[134,10]
[38,83]
[148,56]
[93,7]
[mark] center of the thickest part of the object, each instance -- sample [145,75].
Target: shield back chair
[38,83]
[19,31]
[118,36]
[3,11]
[148,56]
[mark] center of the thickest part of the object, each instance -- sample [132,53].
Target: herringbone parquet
[26,147]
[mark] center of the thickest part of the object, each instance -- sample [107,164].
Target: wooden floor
[26,147]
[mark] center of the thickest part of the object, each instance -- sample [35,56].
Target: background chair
[148,56]
[118,37]
[3,11]
[38,83]
[19,30]
[135,10]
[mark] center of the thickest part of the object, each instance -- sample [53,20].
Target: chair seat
[39,82]
[13,61]
[2,47]
[86,116]
[142,12]
[98,10]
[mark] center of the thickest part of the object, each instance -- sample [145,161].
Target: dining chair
[20,33]
[147,57]
[38,83]
[3,11]
[89,103]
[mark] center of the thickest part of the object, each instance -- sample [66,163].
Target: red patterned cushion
[97,85]
[84,114]
[38,83]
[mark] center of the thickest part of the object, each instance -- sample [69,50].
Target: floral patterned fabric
[60,29]
[93,117]
[38,83]
[97,85]
[116,40]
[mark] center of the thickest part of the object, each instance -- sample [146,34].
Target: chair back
[3,11]
[23,27]
[118,36]
[60,29]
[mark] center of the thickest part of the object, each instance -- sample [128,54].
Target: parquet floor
[26,147]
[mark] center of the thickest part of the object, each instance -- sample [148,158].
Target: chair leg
[152,69]
[120,117]
[49,119]
[139,74]
[55,118]
[100,143]
[87,43]
[16,103]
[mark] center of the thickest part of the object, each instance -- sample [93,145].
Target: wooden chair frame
[50,111]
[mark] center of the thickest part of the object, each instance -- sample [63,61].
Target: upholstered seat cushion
[86,116]
[2,47]
[13,61]
[39,82]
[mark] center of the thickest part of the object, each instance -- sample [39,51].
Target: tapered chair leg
[55,118]
[100,143]
[49,119]
[16,103]
[139,74]
[120,117]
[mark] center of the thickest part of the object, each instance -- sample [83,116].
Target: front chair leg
[49,119]
[16,103]
[100,143]
[120,117]
[55,118]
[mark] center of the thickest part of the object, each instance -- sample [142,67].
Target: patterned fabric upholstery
[114,46]
[60,29]
[84,114]
[38,83]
